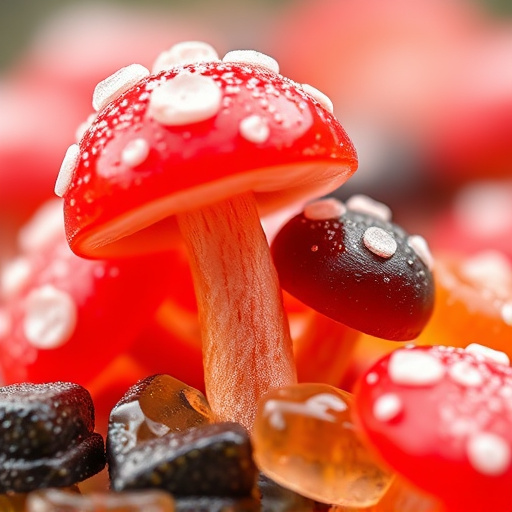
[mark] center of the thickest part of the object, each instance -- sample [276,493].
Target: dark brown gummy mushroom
[355,266]
[47,436]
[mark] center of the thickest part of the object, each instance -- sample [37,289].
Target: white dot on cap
[488,353]
[254,129]
[380,242]
[506,313]
[67,169]
[465,374]
[5,324]
[114,85]
[319,96]
[420,246]
[181,54]
[364,204]
[415,368]
[188,98]
[135,152]
[15,276]
[387,407]
[488,453]
[324,209]
[50,317]
[252,57]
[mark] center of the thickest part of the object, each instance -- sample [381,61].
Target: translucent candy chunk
[305,440]
[56,500]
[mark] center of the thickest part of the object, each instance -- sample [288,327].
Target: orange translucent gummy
[305,440]
[473,302]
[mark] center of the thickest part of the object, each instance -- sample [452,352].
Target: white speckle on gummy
[135,152]
[50,317]
[181,54]
[365,204]
[255,129]
[465,374]
[188,98]
[117,83]
[506,313]
[488,353]
[319,96]
[83,127]
[372,378]
[44,226]
[15,276]
[5,325]
[420,246]
[252,57]
[488,453]
[415,368]
[387,407]
[324,209]
[380,242]
[67,169]
[490,269]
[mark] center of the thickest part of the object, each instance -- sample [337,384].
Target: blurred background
[423,88]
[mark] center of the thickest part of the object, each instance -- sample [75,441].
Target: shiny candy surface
[442,417]
[154,407]
[305,440]
[194,121]
[357,268]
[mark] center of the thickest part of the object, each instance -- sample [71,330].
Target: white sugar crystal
[415,368]
[488,353]
[506,313]
[15,276]
[365,204]
[324,209]
[50,317]
[380,242]
[83,127]
[67,169]
[252,57]
[420,246]
[117,83]
[319,96]
[5,325]
[44,226]
[188,98]
[372,378]
[491,269]
[465,374]
[135,152]
[387,407]
[254,129]
[181,54]
[488,453]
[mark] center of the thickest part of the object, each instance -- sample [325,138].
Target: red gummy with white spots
[234,123]
[442,417]
[65,317]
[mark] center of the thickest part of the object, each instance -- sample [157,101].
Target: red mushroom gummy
[352,264]
[205,147]
[442,417]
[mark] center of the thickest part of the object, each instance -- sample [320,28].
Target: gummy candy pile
[154,334]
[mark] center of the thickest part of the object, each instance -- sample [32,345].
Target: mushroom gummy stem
[247,349]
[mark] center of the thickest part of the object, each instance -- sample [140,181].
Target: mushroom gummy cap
[430,410]
[355,268]
[205,132]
